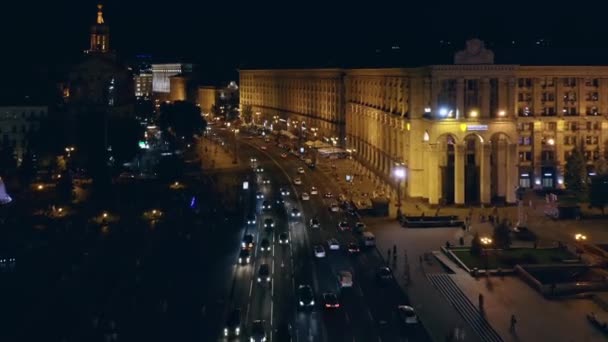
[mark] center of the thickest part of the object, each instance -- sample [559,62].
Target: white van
[368,239]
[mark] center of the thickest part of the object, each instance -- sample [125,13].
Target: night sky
[224,35]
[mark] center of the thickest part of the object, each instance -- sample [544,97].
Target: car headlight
[248,259]
[264,339]
[259,279]
[301,303]
[272,225]
[243,245]
[225,331]
[268,279]
[237,330]
[240,260]
[312,302]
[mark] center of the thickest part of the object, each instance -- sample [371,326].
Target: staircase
[446,286]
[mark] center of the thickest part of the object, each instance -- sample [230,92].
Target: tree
[170,168]
[247,114]
[575,175]
[65,188]
[598,192]
[182,119]
[476,245]
[27,169]
[125,134]
[8,162]
[502,235]
[601,166]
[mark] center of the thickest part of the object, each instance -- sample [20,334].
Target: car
[263,147]
[265,181]
[334,208]
[269,223]
[251,219]
[305,296]
[283,155]
[333,244]
[305,196]
[280,200]
[284,191]
[247,241]
[301,170]
[233,324]
[264,273]
[295,212]
[384,274]
[345,278]
[407,314]
[319,251]
[259,195]
[283,239]
[328,195]
[253,159]
[343,225]
[258,331]
[266,205]
[353,248]
[360,227]
[297,181]
[330,300]
[314,191]
[244,256]
[265,245]
[259,169]
[314,223]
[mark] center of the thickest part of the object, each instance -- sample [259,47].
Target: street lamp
[236,131]
[399,173]
[580,237]
[486,242]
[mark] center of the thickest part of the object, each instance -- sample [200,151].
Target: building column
[460,98]
[433,174]
[502,150]
[485,98]
[485,175]
[459,153]
[512,173]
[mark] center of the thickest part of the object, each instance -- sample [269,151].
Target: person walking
[513,322]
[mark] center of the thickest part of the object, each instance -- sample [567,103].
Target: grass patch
[509,258]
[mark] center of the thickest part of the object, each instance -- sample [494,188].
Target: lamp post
[486,242]
[399,173]
[236,131]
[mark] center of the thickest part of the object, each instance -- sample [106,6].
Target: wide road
[368,309]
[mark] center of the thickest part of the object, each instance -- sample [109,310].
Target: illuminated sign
[477,128]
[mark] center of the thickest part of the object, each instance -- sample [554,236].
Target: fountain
[4,197]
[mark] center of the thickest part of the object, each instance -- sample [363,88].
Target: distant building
[206,98]
[183,88]
[142,79]
[17,122]
[223,100]
[100,80]
[161,74]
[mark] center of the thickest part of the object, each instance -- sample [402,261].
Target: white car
[333,244]
[305,196]
[407,314]
[314,191]
[297,181]
[301,170]
[334,208]
[345,278]
[319,251]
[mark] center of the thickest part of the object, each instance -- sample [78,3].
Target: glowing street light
[399,173]
[580,237]
[486,241]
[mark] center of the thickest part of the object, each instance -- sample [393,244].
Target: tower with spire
[100,34]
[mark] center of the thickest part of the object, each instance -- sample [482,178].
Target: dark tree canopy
[502,235]
[575,175]
[476,245]
[124,134]
[598,192]
[182,119]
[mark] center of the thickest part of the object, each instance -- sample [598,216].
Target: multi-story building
[143,77]
[468,132]
[17,122]
[222,101]
[161,74]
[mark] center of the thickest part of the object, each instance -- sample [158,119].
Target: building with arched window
[469,132]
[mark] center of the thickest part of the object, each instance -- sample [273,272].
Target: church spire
[99,14]
[100,34]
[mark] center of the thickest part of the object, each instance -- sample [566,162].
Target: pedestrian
[395,250]
[389,254]
[481,303]
[513,322]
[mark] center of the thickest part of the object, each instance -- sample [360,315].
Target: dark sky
[223,35]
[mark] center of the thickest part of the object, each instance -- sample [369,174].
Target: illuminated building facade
[469,132]
[162,73]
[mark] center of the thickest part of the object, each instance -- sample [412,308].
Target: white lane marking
[347,317]
[271,311]
[247,313]
[369,313]
[250,288]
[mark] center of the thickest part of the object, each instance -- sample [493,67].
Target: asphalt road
[368,309]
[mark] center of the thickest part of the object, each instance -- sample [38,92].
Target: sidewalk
[213,156]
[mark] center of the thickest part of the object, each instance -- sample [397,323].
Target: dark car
[331,300]
[295,212]
[247,241]
[233,324]
[251,219]
[266,205]
[265,245]
[353,248]
[244,256]
[283,239]
[384,274]
[268,223]
[264,273]
[258,331]
[314,223]
[343,225]
[305,296]
[280,201]
[284,191]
